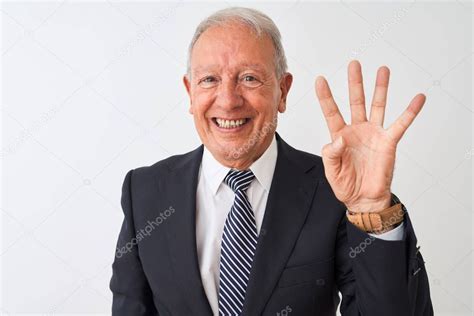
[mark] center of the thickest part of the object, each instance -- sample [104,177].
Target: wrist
[370,206]
[378,222]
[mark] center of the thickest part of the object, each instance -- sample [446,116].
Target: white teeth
[230,123]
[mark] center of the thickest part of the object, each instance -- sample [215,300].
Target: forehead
[232,46]
[237,65]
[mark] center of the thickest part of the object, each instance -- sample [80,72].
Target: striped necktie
[239,241]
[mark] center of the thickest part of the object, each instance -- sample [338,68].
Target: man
[250,225]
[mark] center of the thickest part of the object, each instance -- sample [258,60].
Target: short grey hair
[256,20]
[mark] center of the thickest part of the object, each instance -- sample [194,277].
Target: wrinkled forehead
[235,66]
[230,48]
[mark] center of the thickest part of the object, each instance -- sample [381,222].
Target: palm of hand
[359,163]
[367,164]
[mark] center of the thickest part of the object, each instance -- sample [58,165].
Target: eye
[208,82]
[208,79]
[251,81]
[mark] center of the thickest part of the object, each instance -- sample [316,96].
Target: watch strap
[377,221]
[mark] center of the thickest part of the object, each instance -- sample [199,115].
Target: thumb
[332,154]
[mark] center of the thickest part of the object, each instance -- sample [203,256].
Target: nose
[229,96]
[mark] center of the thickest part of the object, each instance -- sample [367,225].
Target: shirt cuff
[394,234]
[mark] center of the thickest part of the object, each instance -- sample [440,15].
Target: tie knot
[239,180]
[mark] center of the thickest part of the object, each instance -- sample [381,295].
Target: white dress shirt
[214,200]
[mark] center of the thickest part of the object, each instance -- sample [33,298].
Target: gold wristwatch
[381,221]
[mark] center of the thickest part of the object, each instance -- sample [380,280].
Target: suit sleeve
[380,277]
[131,292]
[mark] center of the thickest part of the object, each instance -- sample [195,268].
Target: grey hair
[256,20]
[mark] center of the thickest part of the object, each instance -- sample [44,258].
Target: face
[234,92]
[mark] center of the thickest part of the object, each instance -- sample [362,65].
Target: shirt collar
[263,168]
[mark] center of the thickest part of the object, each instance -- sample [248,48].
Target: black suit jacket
[307,251]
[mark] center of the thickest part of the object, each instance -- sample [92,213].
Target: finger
[379,101]
[356,93]
[398,128]
[331,112]
[332,154]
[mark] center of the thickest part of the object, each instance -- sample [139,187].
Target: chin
[241,152]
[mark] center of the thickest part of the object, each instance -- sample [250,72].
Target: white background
[92,90]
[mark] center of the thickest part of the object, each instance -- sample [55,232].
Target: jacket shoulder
[164,166]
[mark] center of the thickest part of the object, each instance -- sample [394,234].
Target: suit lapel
[289,201]
[180,189]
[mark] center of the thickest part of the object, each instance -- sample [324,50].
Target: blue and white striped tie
[239,241]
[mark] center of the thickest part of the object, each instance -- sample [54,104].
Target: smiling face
[234,93]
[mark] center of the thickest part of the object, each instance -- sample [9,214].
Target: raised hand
[359,161]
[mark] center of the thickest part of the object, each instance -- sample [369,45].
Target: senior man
[254,226]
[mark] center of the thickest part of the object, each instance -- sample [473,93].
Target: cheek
[201,105]
[266,104]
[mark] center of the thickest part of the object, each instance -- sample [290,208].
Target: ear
[285,85]
[187,85]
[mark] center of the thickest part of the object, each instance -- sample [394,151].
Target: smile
[229,124]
